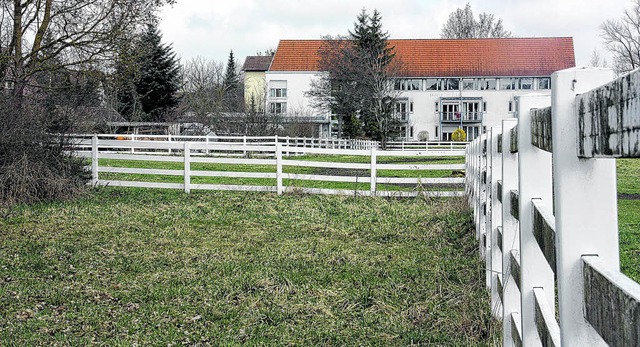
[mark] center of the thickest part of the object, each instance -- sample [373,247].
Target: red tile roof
[451,58]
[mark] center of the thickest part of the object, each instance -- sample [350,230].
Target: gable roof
[451,58]
[257,63]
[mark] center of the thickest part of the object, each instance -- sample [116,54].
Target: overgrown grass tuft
[160,267]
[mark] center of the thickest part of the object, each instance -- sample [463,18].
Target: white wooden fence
[425,145]
[307,142]
[543,188]
[277,155]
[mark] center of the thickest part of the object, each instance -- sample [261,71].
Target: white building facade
[447,84]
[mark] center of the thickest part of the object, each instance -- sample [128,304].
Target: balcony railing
[401,116]
[461,117]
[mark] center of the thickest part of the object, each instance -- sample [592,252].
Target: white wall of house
[424,117]
[297,84]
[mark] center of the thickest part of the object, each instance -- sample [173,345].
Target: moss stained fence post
[510,236]
[585,204]
[534,183]
[494,220]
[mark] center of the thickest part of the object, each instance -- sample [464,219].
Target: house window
[401,110]
[411,132]
[452,83]
[526,83]
[278,89]
[484,106]
[278,107]
[436,131]
[468,84]
[510,106]
[411,107]
[508,83]
[414,85]
[488,84]
[432,84]
[398,85]
[544,83]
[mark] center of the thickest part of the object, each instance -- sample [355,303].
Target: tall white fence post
[495,220]
[94,160]
[187,167]
[585,204]
[373,169]
[279,186]
[244,145]
[510,234]
[535,182]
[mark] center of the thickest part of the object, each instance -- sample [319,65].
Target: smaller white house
[447,84]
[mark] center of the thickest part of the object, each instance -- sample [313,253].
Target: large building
[447,84]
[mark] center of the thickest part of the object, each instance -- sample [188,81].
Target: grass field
[157,267]
[629,216]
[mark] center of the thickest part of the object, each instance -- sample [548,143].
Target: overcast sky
[212,28]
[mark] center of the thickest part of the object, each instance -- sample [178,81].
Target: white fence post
[207,144]
[133,138]
[279,186]
[510,234]
[534,182]
[373,169]
[495,220]
[187,167]
[244,145]
[585,204]
[94,160]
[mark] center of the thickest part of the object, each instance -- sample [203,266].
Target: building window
[544,83]
[411,132]
[484,106]
[402,108]
[452,84]
[487,84]
[278,89]
[510,106]
[278,107]
[436,132]
[468,84]
[508,83]
[403,84]
[432,84]
[526,83]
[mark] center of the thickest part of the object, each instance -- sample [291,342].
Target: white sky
[212,28]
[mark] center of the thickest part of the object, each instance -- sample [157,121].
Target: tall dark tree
[159,76]
[463,25]
[357,85]
[232,90]
[60,40]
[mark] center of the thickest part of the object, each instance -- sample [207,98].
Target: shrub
[459,135]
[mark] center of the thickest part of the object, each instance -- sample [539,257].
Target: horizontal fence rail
[276,159]
[544,196]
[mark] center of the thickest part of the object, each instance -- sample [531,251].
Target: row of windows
[509,83]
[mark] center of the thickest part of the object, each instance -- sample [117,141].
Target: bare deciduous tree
[622,38]
[463,25]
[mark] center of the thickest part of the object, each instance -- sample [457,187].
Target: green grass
[156,267]
[291,169]
[628,171]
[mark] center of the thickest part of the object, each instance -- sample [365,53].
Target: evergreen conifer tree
[232,85]
[159,76]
